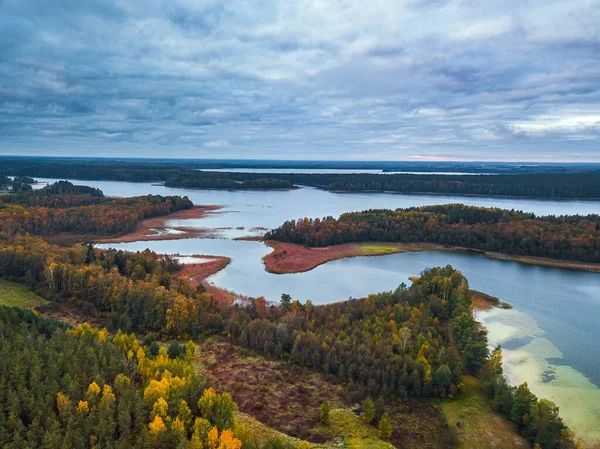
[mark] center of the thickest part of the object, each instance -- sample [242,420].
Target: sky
[511,80]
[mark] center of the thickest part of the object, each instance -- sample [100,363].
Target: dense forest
[80,388]
[574,238]
[542,185]
[390,343]
[90,169]
[197,182]
[132,292]
[535,185]
[64,208]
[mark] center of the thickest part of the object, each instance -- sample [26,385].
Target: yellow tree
[227,441]
[63,404]
[157,427]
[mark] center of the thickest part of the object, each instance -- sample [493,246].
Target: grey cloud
[439,78]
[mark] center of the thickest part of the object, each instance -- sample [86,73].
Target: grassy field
[480,427]
[377,250]
[18,295]
[346,430]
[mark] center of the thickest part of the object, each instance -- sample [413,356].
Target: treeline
[558,185]
[64,208]
[83,388]
[198,182]
[131,291]
[565,237]
[393,343]
[582,185]
[90,169]
[57,195]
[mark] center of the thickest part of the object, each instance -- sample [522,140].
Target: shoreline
[155,228]
[287,258]
[197,273]
[278,189]
[476,195]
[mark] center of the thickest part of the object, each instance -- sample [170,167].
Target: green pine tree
[385,427]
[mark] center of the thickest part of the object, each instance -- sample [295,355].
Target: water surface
[269,209]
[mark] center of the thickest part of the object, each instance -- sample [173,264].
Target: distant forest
[567,237]
[558,185]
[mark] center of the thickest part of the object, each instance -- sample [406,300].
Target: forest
[17,184]
[198,182]
[393,343]
[537,185]
[575,238]
[91,387]
[76,388]
[583,185]
[65,208]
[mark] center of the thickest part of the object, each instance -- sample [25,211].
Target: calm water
[269,209]
[551,338]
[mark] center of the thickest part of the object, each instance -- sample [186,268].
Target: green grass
[346,430]
[18,295]
[261,431]
[4,192]
[372,250]
[349,430]
[480,427]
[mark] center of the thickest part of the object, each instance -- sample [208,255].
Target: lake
[269,209]
[551,338]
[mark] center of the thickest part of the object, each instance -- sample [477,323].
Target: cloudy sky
[302,79]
